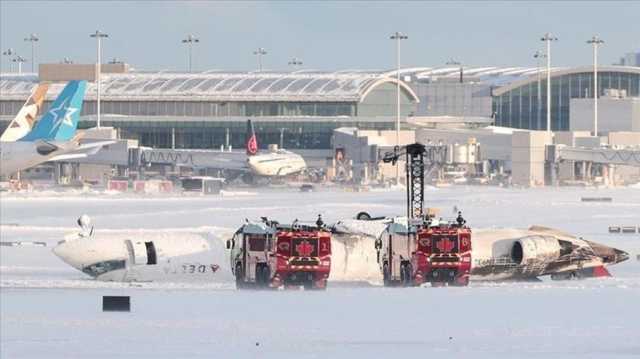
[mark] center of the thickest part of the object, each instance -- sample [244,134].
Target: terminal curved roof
[502,78]
[304,85]
[523,80]
[339,86]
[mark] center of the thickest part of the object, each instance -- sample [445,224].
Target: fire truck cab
[395,247]
[270,255]
[443,255]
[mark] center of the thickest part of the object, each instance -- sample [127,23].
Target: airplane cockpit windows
[100,268]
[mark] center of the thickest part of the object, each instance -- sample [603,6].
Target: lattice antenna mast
[414,154]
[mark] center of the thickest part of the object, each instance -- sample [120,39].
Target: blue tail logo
[61,121]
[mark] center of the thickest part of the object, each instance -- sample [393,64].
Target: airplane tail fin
[61,121]
[252,141]
[26,117]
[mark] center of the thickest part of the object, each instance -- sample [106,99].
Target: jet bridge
[611,156]
[227,160]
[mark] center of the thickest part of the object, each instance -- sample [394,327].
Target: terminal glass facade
[522,107]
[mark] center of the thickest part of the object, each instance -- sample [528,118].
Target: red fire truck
[423,249]
[270,255]
[442,255]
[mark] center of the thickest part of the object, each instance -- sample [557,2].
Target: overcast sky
[326,36]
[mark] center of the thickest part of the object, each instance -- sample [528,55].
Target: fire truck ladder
[416,154]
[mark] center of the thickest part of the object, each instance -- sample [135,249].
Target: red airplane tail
[252,141]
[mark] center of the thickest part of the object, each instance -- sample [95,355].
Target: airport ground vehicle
[419,248]
[443,255]
[270,255]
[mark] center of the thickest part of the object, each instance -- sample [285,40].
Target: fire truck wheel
[320,285]
[386,276]
[263,274]
[406,275]
[239,276]
[308,285]
[460,282]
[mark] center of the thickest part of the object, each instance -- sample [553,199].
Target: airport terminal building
[301,109]
[297,110]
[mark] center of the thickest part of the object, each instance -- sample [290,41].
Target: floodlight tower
[295,62]
[398,36]
[259,52]
[190,40]
[454,62]
[33,38]
[548,38]
[98,36]
[595,42]
[19,60]
[9,52]
[539,55]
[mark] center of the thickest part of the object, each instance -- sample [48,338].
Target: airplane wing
[82,151]
[94,146]
[68,157]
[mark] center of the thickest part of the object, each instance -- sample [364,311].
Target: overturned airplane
[497,255]
[510,253]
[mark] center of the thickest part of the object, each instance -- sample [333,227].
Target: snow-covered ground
[50,310]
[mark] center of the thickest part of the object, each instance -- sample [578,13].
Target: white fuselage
[276,164]
[117,259]
[20,155]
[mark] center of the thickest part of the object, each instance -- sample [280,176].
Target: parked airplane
[279,163]
[251,164]
[509,253]
[53,137]
[26,117]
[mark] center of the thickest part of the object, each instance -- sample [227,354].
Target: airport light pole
[595,42]
[98,36]
[454,62]
[33,38]
[259,52]
[398,36]
[20,60]
[295,62]
[539,55]
[9,52]
[190,40]
[548,38]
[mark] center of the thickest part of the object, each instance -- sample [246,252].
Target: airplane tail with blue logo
[60,122]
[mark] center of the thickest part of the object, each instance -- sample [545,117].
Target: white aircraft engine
[535,250]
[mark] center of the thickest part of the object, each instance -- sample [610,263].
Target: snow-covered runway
[51,310]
